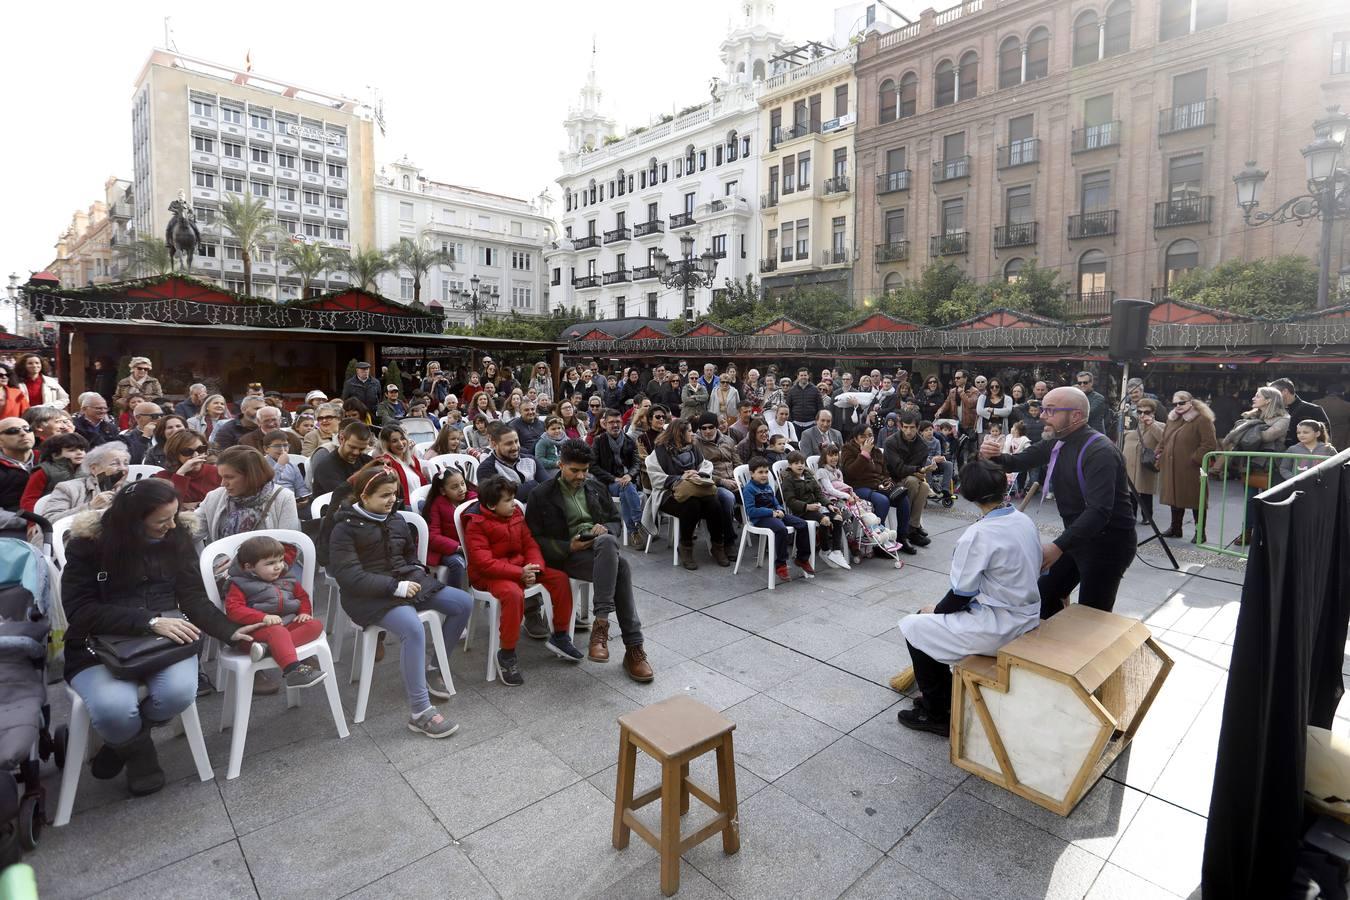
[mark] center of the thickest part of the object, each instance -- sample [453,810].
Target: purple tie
[1050,470]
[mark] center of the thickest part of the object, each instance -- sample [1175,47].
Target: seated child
[549,447]
[448,491]
[59,458]
[777,450]
[803,498]
[285,473]
[936,457]
[993,596]
[764,511]
[504,560]
[263,590]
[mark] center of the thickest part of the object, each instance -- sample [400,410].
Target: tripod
[1134,492]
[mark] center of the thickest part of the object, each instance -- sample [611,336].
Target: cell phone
[585,536]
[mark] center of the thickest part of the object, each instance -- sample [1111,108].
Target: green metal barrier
[1237,480]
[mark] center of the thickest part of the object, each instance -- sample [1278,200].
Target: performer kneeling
[993,599]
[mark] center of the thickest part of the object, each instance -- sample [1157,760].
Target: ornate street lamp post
[1328,196]
[688,273]
[474,302]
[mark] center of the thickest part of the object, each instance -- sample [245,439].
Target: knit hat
[139,361]
[707,418]
[315,395]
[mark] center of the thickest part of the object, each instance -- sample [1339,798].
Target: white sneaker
[833,558]
[842,559]
[257,650]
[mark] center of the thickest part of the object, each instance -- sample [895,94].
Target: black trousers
[1096,570]
[934,680]
[693,509]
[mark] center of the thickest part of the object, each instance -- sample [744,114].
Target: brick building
[1097,137]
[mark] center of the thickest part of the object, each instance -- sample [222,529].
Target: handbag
[1148,458]
[136,657]
[686,488]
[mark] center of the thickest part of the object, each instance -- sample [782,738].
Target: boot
[1199,535]
[686,554]
[144,776]
[636,665]
[599,649]
[1177,518]
[719,554]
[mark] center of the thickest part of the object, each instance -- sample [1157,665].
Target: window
[1182,257]
[405,288]
[522,296]
[895,226]
[590,227]
[909,95]
[729,189]
[719,246]
[954,215]
[620,308]
[232,150]
[803,238]
[620,262]
[590,267]
[1178,18]
[798,115]
[789,174]
[1010,63]
[233,251]
[286,160]
[207,250]
[1092,272]
[1021,144]
[1087,35]
[315,198]
[233,116]
[203,109]
[260,188]
[841,101]
[1117,32]
[233,184]
[954,163]
[313,229]
[336,171]
[590,308]
[702,160]
[717,155]
[1038,54]
[771,244]
[1017,206]
[203,144]
[260,121]
[689,203]
[1099,129]
[1340,53]
[815,119]
[286,193]
[803,170]
[665,169]
[895,160]
[840,252]
[522,261]
[968,77]
[487,256]
[651,305]
[745,146]
[260,155]
[787,241]
[405,210]
[887,100]
[337,201]
[652,211]
[1096,193]
[1012,272]
[337,233]
[944,84]
[892,282]
[840,162]
[205,214]
[203,179]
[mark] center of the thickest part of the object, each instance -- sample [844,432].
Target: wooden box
[1049,714]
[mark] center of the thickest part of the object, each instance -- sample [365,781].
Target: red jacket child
[250,600]
[440,515]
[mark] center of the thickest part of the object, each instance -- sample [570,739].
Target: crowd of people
[568,474]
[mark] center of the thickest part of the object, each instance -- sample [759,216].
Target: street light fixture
[474,301]
[688,273]
[1328,196]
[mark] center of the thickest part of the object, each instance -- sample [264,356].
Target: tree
[308,261]
[942,293]
[742,306]
[393,375]
[364,267]
[1270,288]
[1036,290]
[250,223]
[418,258]
[144,256]
[521,327]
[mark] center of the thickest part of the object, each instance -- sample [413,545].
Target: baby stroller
[863,539]
[26,612]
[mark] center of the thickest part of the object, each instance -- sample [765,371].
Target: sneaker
[561,646]
[204,686]
[834,558]
[782,573]
[841,560]
[257,650]
[436,685]
[508,669]
[920,718]
[919,540]
[433,724]
[535,625]
[303,676]
[808,570]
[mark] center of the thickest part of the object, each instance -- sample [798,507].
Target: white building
[498,239]
[695,173]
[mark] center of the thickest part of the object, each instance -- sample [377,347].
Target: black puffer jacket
[804,402]
[369,558]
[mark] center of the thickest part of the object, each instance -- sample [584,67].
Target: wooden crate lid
[676,725]
[1083,643]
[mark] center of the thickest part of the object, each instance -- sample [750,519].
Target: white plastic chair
[813,462]
[335,617]
[462,461]
[418,497]
[494,606]
[368,636]
[765,549]
[811,524]
[674,525]
[60,534]
[239,668]
[139,471]
[302,464]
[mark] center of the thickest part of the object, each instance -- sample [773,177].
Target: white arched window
[407,183]
[892,282]
[757,72]
[1038,54]
[1013,270]
[968,76]
[1117,32]
[886,102]
[1086,39]
[1009,62]
[1092,273]
[1183,256]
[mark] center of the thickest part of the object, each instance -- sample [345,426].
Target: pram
[26,613]
[863,540]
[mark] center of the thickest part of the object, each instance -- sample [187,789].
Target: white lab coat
[997,562]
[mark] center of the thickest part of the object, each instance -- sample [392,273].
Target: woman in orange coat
[16,398]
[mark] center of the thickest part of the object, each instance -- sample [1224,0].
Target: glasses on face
[1051,410]
[198,450]
[327,418]
[141,368]
[1084,382]
[1180,402]
[18,429]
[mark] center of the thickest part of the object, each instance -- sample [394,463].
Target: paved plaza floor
[835,798]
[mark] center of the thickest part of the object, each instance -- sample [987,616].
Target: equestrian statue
[181,236]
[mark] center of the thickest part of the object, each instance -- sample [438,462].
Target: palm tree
[250,223]
[419,257]
[309,261]
[364,267]
[144,256]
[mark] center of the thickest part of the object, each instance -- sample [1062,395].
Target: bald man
[1087,476]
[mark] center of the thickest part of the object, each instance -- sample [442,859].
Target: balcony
[1185,211]
[839,184]
[619,277]
[581,282]
[893,251]
[1017,234]
[769,264]
[890,182]
[586,242]
[556,279]
[1019,153]
[718,253]
[618,234]
[682,220]
[790,133]
[655,226]
[1093,224]
[956,243]
[1187,116]
[951,169]
[1094,303]
[644,273]
[836,256]
[768,201]
[1095,137]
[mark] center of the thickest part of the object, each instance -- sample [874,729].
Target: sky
[474,93]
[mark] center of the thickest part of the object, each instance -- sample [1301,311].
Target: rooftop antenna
[168,35]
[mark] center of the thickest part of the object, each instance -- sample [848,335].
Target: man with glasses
[269,422]
[48,421]
[1087,475]
[720,450]
[1096,402]
[16,460]
[93,423]
[192,404]
[138,438]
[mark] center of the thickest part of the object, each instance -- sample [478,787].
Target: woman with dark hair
[930,398]
[15,398]
[400,454]
[685,493]
[993,407]
[865,471]
[572,426]
[542,381]
[43,390]
[247,499]
[353,408]
[485,405]
[133,571]
[165,428]
[186,467]
[756,441]
[631,388]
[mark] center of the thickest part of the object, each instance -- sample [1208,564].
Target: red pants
[281,639]
[511,596]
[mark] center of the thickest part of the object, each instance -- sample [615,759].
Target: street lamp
[688,273]
[474,302]
[1328,196]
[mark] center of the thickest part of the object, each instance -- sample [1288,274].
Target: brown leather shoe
[599,650]
[686,556]
[636,665]
[719,555]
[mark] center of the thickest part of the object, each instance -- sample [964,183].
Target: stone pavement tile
[870,793]
[710,584]
[611,674]
[489,781]
[691,678]
[976,850]
[1185,612]
[582,736]
[694,634]
[869,620]
[772,739]
[757,663]
[175,758]
[558,847]
[816,634]
[1214,582]
[1223,626]
[644,883]
[875,660]
[651,610]
[271,725]
[478,721]
[1114,883]
[1188,778]
[787,850]
[338,847]
[94,853]
[549,685]
[764,609]
[1164,845]
[289,780]
[446,874]
[702,770]
[216,874]
[1095,825]
[926,752]
[839,699]
[850,581]
[888,880]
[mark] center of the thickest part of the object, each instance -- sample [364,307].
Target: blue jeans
[882,505]
[779,528]
[456,574]
[630,501]
[402,622]
[728,501]
[115,710]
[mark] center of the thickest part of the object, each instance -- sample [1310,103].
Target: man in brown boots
[574,521]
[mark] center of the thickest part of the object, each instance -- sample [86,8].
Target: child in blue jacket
[764,511]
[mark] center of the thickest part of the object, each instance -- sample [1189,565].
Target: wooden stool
[674,732]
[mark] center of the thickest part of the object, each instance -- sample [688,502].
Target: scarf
[615,445]
[365,513]
[247,513]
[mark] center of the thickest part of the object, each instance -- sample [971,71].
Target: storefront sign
[313,134]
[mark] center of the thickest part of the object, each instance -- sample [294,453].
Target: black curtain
[1285,675]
